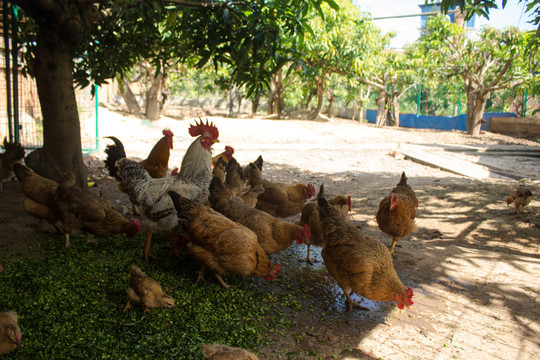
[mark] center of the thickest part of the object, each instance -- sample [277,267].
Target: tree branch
[206,5]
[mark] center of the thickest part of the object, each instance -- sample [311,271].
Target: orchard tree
[81,42]
[327,49]
[494,61]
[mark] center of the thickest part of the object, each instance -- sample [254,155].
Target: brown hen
[220,244]
[359,264]
[273,234]
[310,216]
[397,212]
[146,290]
[279,200]
[10,334]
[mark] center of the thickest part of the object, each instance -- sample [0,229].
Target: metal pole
[97,117]
[524,106]
[15,69]
[418,99]
[8,67]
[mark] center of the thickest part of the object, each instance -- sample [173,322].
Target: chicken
[13,153]
[520,196]
[10,334]
[279,200]
[39,195]
[81,210]
[310,216]
[273,234]
[146,290]
[220,167]
[225,155]
[224,352]
[191,182]
[157,162]
[220,244]
[113,223]
[234,181]
[359,263]
[397,212]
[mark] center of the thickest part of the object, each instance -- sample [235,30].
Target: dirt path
[474,266]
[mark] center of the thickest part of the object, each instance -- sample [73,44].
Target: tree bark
[320,97]
[129,98]
[152,96]
[330,108]
[476,100]
[255,105]
[53,69]
[382,111]
[394,108]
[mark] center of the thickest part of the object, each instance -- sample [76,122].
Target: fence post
[15,69]
[418,98]
[97,118]
[8,67]
[524,106]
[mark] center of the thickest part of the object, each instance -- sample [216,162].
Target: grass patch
[70,303]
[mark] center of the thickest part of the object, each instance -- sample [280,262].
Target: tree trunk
[255,105]
[320,98]
[233,92]
[476,105]
[330,108]
[381,108]
[394,107]
[53,69]
[129,98]
[280,96]
[152,96]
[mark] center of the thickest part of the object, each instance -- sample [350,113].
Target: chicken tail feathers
[320,194]
[259,163]
[403,180]
[324,207]
[185,208]
[22,172]
[114,153]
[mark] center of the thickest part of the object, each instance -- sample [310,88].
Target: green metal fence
[20,112]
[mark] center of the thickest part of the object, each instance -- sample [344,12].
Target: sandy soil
[473,264]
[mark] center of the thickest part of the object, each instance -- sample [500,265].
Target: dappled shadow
[468,245]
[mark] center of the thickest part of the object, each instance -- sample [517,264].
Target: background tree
[494,61]
[81,42]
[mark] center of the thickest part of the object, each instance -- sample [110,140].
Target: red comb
[311,189]
[201,128]
[350,203]
[410,293]
[229,149]
[278,267]
[168,133]
[174,171]
[137,224]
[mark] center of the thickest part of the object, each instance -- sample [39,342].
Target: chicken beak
[216,141]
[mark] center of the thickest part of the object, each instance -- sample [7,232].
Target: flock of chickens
[228,217]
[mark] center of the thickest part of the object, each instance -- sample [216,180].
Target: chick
[520,196]
[146,290]
[10,334]
[224,352]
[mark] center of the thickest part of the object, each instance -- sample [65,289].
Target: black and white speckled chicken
[192,181]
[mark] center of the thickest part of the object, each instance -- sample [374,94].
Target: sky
[407,27]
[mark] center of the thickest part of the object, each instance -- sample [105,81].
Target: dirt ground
[473,264]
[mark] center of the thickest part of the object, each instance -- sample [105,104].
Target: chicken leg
[146,251]
[353,304]
[393,245]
